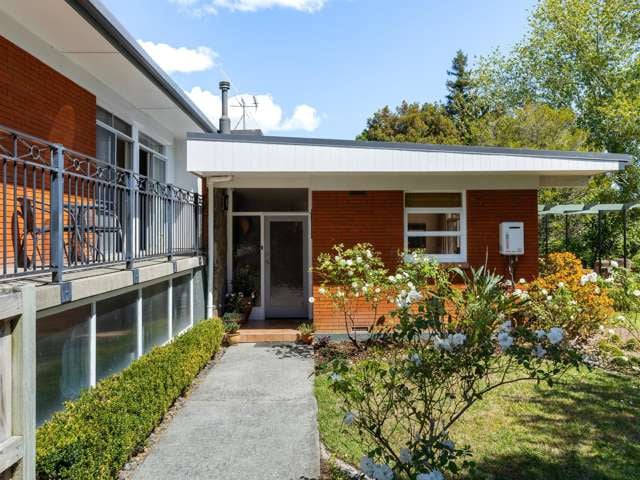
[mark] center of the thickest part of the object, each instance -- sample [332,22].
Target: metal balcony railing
[63,210]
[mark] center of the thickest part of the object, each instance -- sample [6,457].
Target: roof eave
[108,26]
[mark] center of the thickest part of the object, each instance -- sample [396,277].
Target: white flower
[411,285]
[560,284]
[398,276]
[349,417]
[458,339]
[609,280]
[366,465]
[337,258]
[517,292]
[349,262]
[449,444]
[377,290]
[350,273]
[507,283]
[506,326]
[583,280]
[311,299]
[522,280]
[444,343]
[321,291]
[555,335]
[613,264]
[636,293]
[611,331]
[382,472]
[433,475]
[358,259]
[339,293]
[540,334]
[413,296]
[409,258]
[335,377]
[405,455]
[505,340]
[596,290]
[544,291]
[539,351]
[369,254]
[392,279]
[621,318]
[549,298]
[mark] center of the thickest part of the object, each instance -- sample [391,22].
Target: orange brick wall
[486,209]
[377,217]
[39,101]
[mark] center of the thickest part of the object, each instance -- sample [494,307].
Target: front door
[286,266]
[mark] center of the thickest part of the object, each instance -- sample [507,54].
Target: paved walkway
[252,417]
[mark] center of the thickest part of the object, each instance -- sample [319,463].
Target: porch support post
[211,310]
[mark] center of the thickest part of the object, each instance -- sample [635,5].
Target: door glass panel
[270,200]
[286,245]
[246,256]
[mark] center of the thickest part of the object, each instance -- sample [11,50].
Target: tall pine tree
[462,104]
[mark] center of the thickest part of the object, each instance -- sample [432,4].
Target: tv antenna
[244,106]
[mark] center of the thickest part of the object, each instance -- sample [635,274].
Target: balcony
[64,211]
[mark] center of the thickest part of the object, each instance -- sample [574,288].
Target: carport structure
[599,209]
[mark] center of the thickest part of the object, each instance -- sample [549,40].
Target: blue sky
[320,67]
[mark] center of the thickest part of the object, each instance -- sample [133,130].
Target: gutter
[108,26]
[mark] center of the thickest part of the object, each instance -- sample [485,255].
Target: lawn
[586,427]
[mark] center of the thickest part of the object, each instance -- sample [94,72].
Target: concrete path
[252,417]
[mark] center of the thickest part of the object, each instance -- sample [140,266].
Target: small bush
[609,349]
[632,345]
[97,433]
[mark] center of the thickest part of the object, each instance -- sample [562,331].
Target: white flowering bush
[450,347]
[355,281]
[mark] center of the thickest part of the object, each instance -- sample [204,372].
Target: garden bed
[585,427]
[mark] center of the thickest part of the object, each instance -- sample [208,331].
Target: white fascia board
[252,157]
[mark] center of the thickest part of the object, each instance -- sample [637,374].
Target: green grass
[586,427]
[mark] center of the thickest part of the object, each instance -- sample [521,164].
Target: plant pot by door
[233,338]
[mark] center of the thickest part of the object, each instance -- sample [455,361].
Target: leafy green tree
[463,105]
[412,122]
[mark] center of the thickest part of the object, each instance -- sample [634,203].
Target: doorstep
[257,331]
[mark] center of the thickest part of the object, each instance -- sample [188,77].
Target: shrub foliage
[97,433]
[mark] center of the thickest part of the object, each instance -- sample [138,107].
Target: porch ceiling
[215,154]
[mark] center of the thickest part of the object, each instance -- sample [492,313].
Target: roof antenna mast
[244,106]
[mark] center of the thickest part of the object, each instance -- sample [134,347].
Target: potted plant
[305,331]
[231,332]
[241,304]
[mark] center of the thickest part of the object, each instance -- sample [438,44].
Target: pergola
[598,209]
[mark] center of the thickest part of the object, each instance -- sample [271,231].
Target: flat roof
[412,147]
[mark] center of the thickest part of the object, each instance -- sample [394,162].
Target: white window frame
[462,233]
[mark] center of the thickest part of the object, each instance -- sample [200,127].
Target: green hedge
[95,435]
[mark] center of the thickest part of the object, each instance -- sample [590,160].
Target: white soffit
[233,155]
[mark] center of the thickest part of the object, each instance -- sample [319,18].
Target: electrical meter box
[512,238]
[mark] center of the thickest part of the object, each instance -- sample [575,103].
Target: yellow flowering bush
[570,296]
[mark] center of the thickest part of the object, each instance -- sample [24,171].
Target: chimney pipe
[225,122]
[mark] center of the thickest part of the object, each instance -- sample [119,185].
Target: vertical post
[129,196]
[210,248]
[191,319]
[139,331]
[170,308]
[196,224]
[625,246]
[92,345]
[56,239]
[546,235]
[170,221]
[23,381]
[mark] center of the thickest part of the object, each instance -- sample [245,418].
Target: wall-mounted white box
[512,238]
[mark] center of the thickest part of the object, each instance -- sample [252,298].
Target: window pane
[62,359]
[433,222]
[115,334]
[123,153]
[159,170]
[104,116]
[105,145]
[270,200]
[121,126]
[180,319]
[433,200]
[155,315]
[151,143]
[246,256]
[436,245]
[199,295]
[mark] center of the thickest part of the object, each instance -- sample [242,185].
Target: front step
[269,331]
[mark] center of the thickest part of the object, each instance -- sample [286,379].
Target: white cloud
[180,59]
[268,116]
[199,8]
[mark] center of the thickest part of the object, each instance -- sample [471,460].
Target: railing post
[170,224]
[129,220]
[56,240]
[196,224]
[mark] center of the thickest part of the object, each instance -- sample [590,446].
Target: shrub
[97,433]
[422,377]
[568,296]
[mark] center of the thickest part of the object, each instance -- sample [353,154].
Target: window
[181,317]
[62,359]
[155,315]
[435,222]
[113,139]
[153,162]
[270,200]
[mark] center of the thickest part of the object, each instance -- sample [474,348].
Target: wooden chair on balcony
[25,217]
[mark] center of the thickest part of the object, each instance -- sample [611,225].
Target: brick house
[278,202]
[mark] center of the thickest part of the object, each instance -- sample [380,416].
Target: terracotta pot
[307,339]
[233,338]
[247,306]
